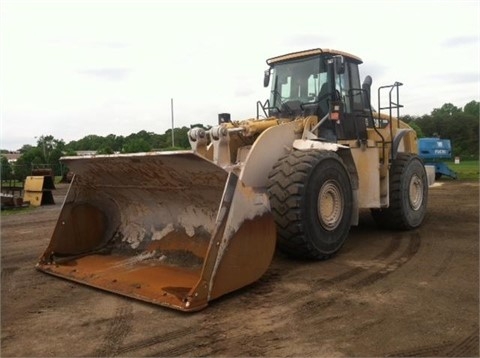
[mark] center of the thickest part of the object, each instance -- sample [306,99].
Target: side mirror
[266,78]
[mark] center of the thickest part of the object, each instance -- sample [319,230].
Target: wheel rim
[415,192]
[330,205]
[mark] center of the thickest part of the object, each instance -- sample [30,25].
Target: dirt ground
[385,294]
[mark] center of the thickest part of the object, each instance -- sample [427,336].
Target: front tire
[408,194]
[311,199]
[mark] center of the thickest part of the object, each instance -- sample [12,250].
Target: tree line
[460,125]
[48,150]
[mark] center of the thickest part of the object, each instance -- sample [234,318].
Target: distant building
[83,153]
[12,156]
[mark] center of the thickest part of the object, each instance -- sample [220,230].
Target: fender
[269,147]
[401,133]
[346,155]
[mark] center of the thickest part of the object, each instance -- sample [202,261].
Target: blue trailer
[433,151]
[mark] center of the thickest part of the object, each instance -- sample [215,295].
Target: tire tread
[286,186]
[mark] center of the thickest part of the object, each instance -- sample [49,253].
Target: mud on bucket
[172,228]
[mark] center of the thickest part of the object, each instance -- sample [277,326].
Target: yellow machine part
[172,228]
[38,190]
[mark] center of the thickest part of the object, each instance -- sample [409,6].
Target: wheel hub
[415,192]
[330,205]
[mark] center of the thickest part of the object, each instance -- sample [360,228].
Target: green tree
[136,145]
[450,122]
[6,169]
[25,148]
[105,150]
[447,109]
[180,138]
[417,129]
[114,142]
[89,142]
[68,152]
[54,160]
[34,155]
[472,108]
[47,144]
[411,122]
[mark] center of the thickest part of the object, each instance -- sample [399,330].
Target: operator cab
[317,82]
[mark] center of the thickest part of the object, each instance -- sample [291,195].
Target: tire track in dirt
[187,333]
[217,332]
[22,258]
[201,341]
[228,336]
[44,299]
[6,273]
[52,298]
[313,310]
[392,247]
[468,347]
[410,251]
[424,351]
[118,329]
[8,283]
[31,224]
[267,286]
[444,265]
[180,351]
[304,311]
[298,300]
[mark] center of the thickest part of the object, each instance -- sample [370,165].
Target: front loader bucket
[169,228]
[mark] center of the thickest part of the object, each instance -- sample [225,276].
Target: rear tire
[311,199]
[408,194]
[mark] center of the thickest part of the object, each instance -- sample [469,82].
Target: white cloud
[75,68]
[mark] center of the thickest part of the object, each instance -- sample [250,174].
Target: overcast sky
[74,68]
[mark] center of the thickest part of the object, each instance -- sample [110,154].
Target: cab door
[352,124]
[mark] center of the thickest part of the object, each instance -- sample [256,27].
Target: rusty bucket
[170,228]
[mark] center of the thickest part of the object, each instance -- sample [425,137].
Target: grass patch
[12,183]
[16,211]
[466,170]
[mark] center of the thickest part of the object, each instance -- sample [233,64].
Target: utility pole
[173,135]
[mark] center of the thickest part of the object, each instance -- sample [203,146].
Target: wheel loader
[182,228]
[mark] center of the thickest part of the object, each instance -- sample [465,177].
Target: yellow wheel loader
[182,228]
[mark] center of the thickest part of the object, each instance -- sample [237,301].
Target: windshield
[301,81]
